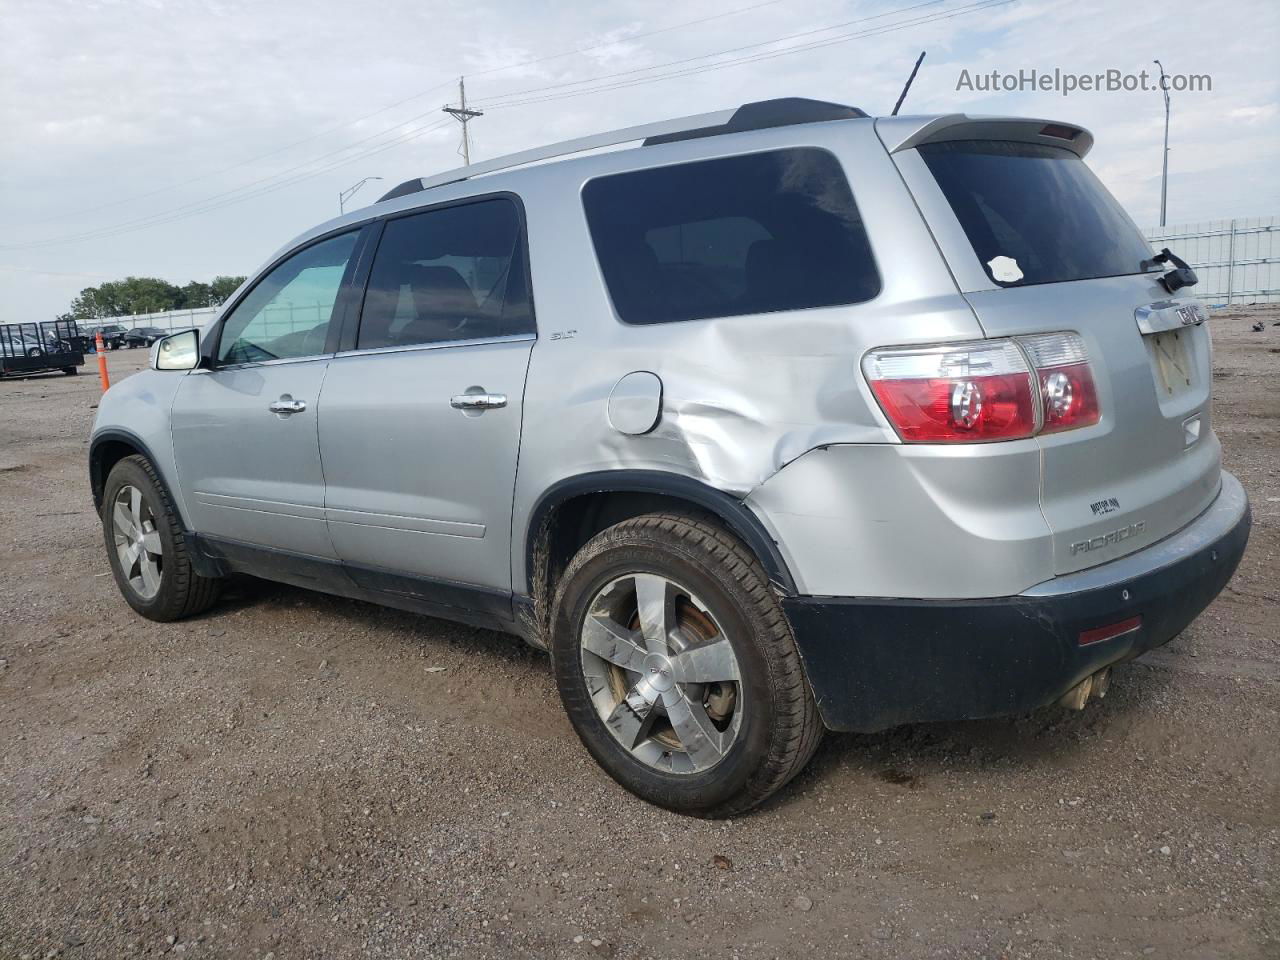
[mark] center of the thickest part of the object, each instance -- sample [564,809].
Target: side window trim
[354,293]
[211,345]
[347,346]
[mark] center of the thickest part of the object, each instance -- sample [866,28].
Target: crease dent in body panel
[734,447]
[717,440]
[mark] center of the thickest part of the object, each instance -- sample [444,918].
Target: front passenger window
[453,273]
[287,314]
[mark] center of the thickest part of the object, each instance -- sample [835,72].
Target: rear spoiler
[904,133]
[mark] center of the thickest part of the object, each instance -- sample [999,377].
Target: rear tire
[147,547]
[720,718]
[70,371]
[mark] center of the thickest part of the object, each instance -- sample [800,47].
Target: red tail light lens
[965,393]
[1067,392]
[976,392]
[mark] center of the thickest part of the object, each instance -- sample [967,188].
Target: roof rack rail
[760,115]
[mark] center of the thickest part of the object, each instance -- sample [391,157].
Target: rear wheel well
[565,528]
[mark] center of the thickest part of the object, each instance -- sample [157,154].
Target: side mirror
[181,351]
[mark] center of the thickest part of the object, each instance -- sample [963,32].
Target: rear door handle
[478,401]
[286,406]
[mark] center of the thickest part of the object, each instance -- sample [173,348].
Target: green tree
[223,287]
[121,298]
[196,294]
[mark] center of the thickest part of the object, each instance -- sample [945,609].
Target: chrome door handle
[478,401]
[286,405]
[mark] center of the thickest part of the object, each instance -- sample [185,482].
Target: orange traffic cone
[102,361]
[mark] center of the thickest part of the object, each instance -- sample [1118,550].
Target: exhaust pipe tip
[1102,683]
[1094,685]
[1078,696]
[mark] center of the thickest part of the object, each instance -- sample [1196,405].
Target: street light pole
[347,194]
[1164,176]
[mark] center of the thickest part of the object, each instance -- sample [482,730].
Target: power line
[208,205]
[689,71]
[183,213]
[241,163]
[496,99]
[633,36]
[416,96]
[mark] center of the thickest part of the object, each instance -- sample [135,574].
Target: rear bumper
[874,663]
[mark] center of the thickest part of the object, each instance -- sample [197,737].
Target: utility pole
[1164,176]
[462,115]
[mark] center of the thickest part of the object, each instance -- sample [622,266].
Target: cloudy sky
[189,139]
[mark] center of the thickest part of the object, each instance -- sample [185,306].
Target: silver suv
[785,419]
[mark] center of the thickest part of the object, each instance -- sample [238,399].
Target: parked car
[113,335]
[27,342]
[816,420]
[143,336]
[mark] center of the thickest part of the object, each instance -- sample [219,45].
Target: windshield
[1033,213]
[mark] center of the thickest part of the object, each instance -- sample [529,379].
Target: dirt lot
[300,776]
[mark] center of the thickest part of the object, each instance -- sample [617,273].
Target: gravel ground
[298,776]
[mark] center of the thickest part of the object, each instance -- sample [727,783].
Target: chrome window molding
[253,364]
[436,345]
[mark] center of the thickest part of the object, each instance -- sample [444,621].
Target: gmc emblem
[1191,315]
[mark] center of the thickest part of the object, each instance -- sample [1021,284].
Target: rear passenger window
[739,235]
[455,273]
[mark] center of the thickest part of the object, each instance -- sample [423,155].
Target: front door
[420,423]
[244,431]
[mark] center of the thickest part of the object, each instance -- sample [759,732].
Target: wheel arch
[573,510]
[111,446]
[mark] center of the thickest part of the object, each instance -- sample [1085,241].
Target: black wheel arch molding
[737,517]
[98,469]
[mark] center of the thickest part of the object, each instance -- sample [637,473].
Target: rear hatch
[1055,252]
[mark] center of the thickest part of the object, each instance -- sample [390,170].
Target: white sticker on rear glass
[1005,269]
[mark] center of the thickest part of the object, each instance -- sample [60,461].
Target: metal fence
[1237,261]
[277,321]
[169,320]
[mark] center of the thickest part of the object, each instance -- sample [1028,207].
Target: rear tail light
[1067,392]
[954,394]
[984,391]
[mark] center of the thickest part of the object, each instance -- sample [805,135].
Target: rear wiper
[1176,279]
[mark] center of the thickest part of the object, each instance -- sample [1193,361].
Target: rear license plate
[1172,358]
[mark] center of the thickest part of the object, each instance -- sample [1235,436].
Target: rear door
[420,419]
[244,431]
[1043,247]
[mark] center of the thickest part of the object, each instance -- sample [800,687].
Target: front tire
[147,548]
[678,668]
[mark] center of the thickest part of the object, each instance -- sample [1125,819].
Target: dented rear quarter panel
[742,396]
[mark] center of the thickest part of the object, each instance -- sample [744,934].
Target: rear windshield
[1033,213]
[736,235]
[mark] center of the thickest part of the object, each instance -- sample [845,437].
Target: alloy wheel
[137,542]
[662,674]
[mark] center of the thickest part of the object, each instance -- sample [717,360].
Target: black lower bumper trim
[877,663]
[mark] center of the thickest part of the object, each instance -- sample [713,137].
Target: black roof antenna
[903,95]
